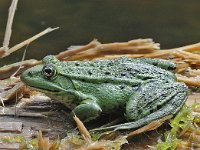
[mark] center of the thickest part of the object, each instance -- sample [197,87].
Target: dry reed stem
[193,72]
[43,143]
[26,42]
[5,50]
[190,81]
[149,127]
[82,129]
[68,53]
[8,70]
[8,31]
[95,49]
[189,48]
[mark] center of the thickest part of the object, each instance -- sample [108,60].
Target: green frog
[143,89]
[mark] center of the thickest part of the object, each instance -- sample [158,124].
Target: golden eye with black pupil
[49,71]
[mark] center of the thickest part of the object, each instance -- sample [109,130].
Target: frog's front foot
[87,110]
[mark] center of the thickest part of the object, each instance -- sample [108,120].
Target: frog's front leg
[154,100]
[88,109]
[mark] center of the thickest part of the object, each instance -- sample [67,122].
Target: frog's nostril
[30,73]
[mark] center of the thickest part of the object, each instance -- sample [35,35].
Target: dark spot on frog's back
[122,86]
[129,69]
[136,87]
[77,64]
[90,72]
[107,73]
[159,107]
[106,81]
[110,64]
[155,63]
[83,80]
[123,74]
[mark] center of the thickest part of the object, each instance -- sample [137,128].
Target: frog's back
[118,69]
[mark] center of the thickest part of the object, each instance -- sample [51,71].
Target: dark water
[171,23]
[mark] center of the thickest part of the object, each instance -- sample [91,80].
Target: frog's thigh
[155,100]
[87,110]
[165,99]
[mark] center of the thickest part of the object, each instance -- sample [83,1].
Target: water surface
[171,23]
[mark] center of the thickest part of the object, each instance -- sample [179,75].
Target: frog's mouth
[43,90]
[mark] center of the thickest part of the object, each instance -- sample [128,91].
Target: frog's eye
[49,71]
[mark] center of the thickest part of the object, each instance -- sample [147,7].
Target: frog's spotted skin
[124,68]
[143,89]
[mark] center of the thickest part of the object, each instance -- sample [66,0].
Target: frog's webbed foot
[154,100]
[87,110]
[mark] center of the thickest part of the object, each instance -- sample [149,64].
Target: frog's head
[47,77]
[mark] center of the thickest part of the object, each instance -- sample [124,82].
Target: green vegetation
[183,122]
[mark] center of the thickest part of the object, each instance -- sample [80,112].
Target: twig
[23,57]
[8,70]
[8,31]
[28,41]
[72,52]
[189,48]
[82,129]
[2,101]
[149,127]
[95,49]
[190,81]
[5,50]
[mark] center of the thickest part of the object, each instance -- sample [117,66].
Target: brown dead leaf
[151,126]
[82,129]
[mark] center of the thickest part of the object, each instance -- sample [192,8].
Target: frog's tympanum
[142,89]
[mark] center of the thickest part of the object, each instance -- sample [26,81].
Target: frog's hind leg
[164,64]
[153,101]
